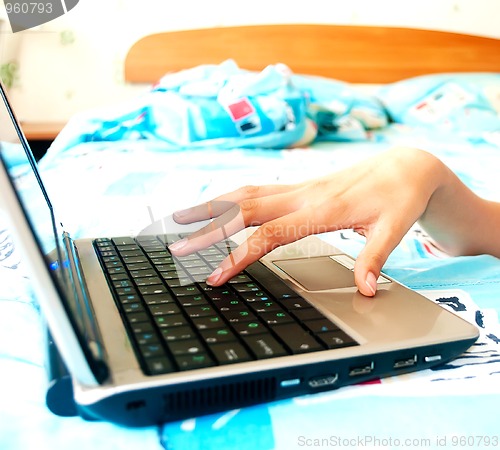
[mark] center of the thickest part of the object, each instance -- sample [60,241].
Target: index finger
[223,203]
[266,238]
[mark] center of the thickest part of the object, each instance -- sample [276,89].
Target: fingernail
[371,282]
[214,276]
[178,245]
[182,213]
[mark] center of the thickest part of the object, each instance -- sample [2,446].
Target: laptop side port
[405,362]
[290,382]
[361,370]
[323,381]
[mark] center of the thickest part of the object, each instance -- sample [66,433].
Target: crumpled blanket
[228,107]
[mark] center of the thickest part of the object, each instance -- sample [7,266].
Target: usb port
[361,370]
[406,362]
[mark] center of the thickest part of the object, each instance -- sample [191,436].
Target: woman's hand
[380,198]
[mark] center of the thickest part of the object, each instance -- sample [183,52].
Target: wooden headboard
[350,53]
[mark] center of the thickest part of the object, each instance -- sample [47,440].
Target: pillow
[468,102]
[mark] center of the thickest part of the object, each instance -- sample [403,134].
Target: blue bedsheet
[89,180]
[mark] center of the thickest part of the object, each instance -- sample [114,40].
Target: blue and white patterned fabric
[465,103]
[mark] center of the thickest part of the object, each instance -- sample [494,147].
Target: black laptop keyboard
[178,322]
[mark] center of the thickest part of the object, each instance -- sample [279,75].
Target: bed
[311,99]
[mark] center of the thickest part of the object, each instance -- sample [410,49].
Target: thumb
[372,258]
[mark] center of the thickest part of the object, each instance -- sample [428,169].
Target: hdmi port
[406,362]
[361,370]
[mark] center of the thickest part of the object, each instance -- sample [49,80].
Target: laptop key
[155,289]
[135,259]
[269,306]
[230,352]
[215,259]
[199,311]
[276,317]
[185,290]
[158,299]
[264,346]
[198,361]
[320,326]
[305,314]
[147,281]
[209,252]
[139,266]
[337,339]
[142,327]
[122,283]
[133,307]
[194,264]
[159,254]
[137,317]
[218,335]
[171,320]
[131,254]
[245,287]
[149,272]
[177,333]
[217,294]
[131,298]
[178,282]
[126,248]
[209,322]
[111,259]
[151,350]
[164,309]
[296,338]
[270,282]
[255,296]
[126,291]
[249,328]
[192,300]
[158,366]
[238,316]
[182,259]
[147,337]
[185,347]
[240,278]
[119,277]
[230,305]
[123,240]
[294,303]
[171,274]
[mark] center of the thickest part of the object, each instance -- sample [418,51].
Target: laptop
[144,340]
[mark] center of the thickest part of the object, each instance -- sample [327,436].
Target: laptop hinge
[84,310]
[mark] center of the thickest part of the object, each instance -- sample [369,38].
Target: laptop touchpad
[317,274]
